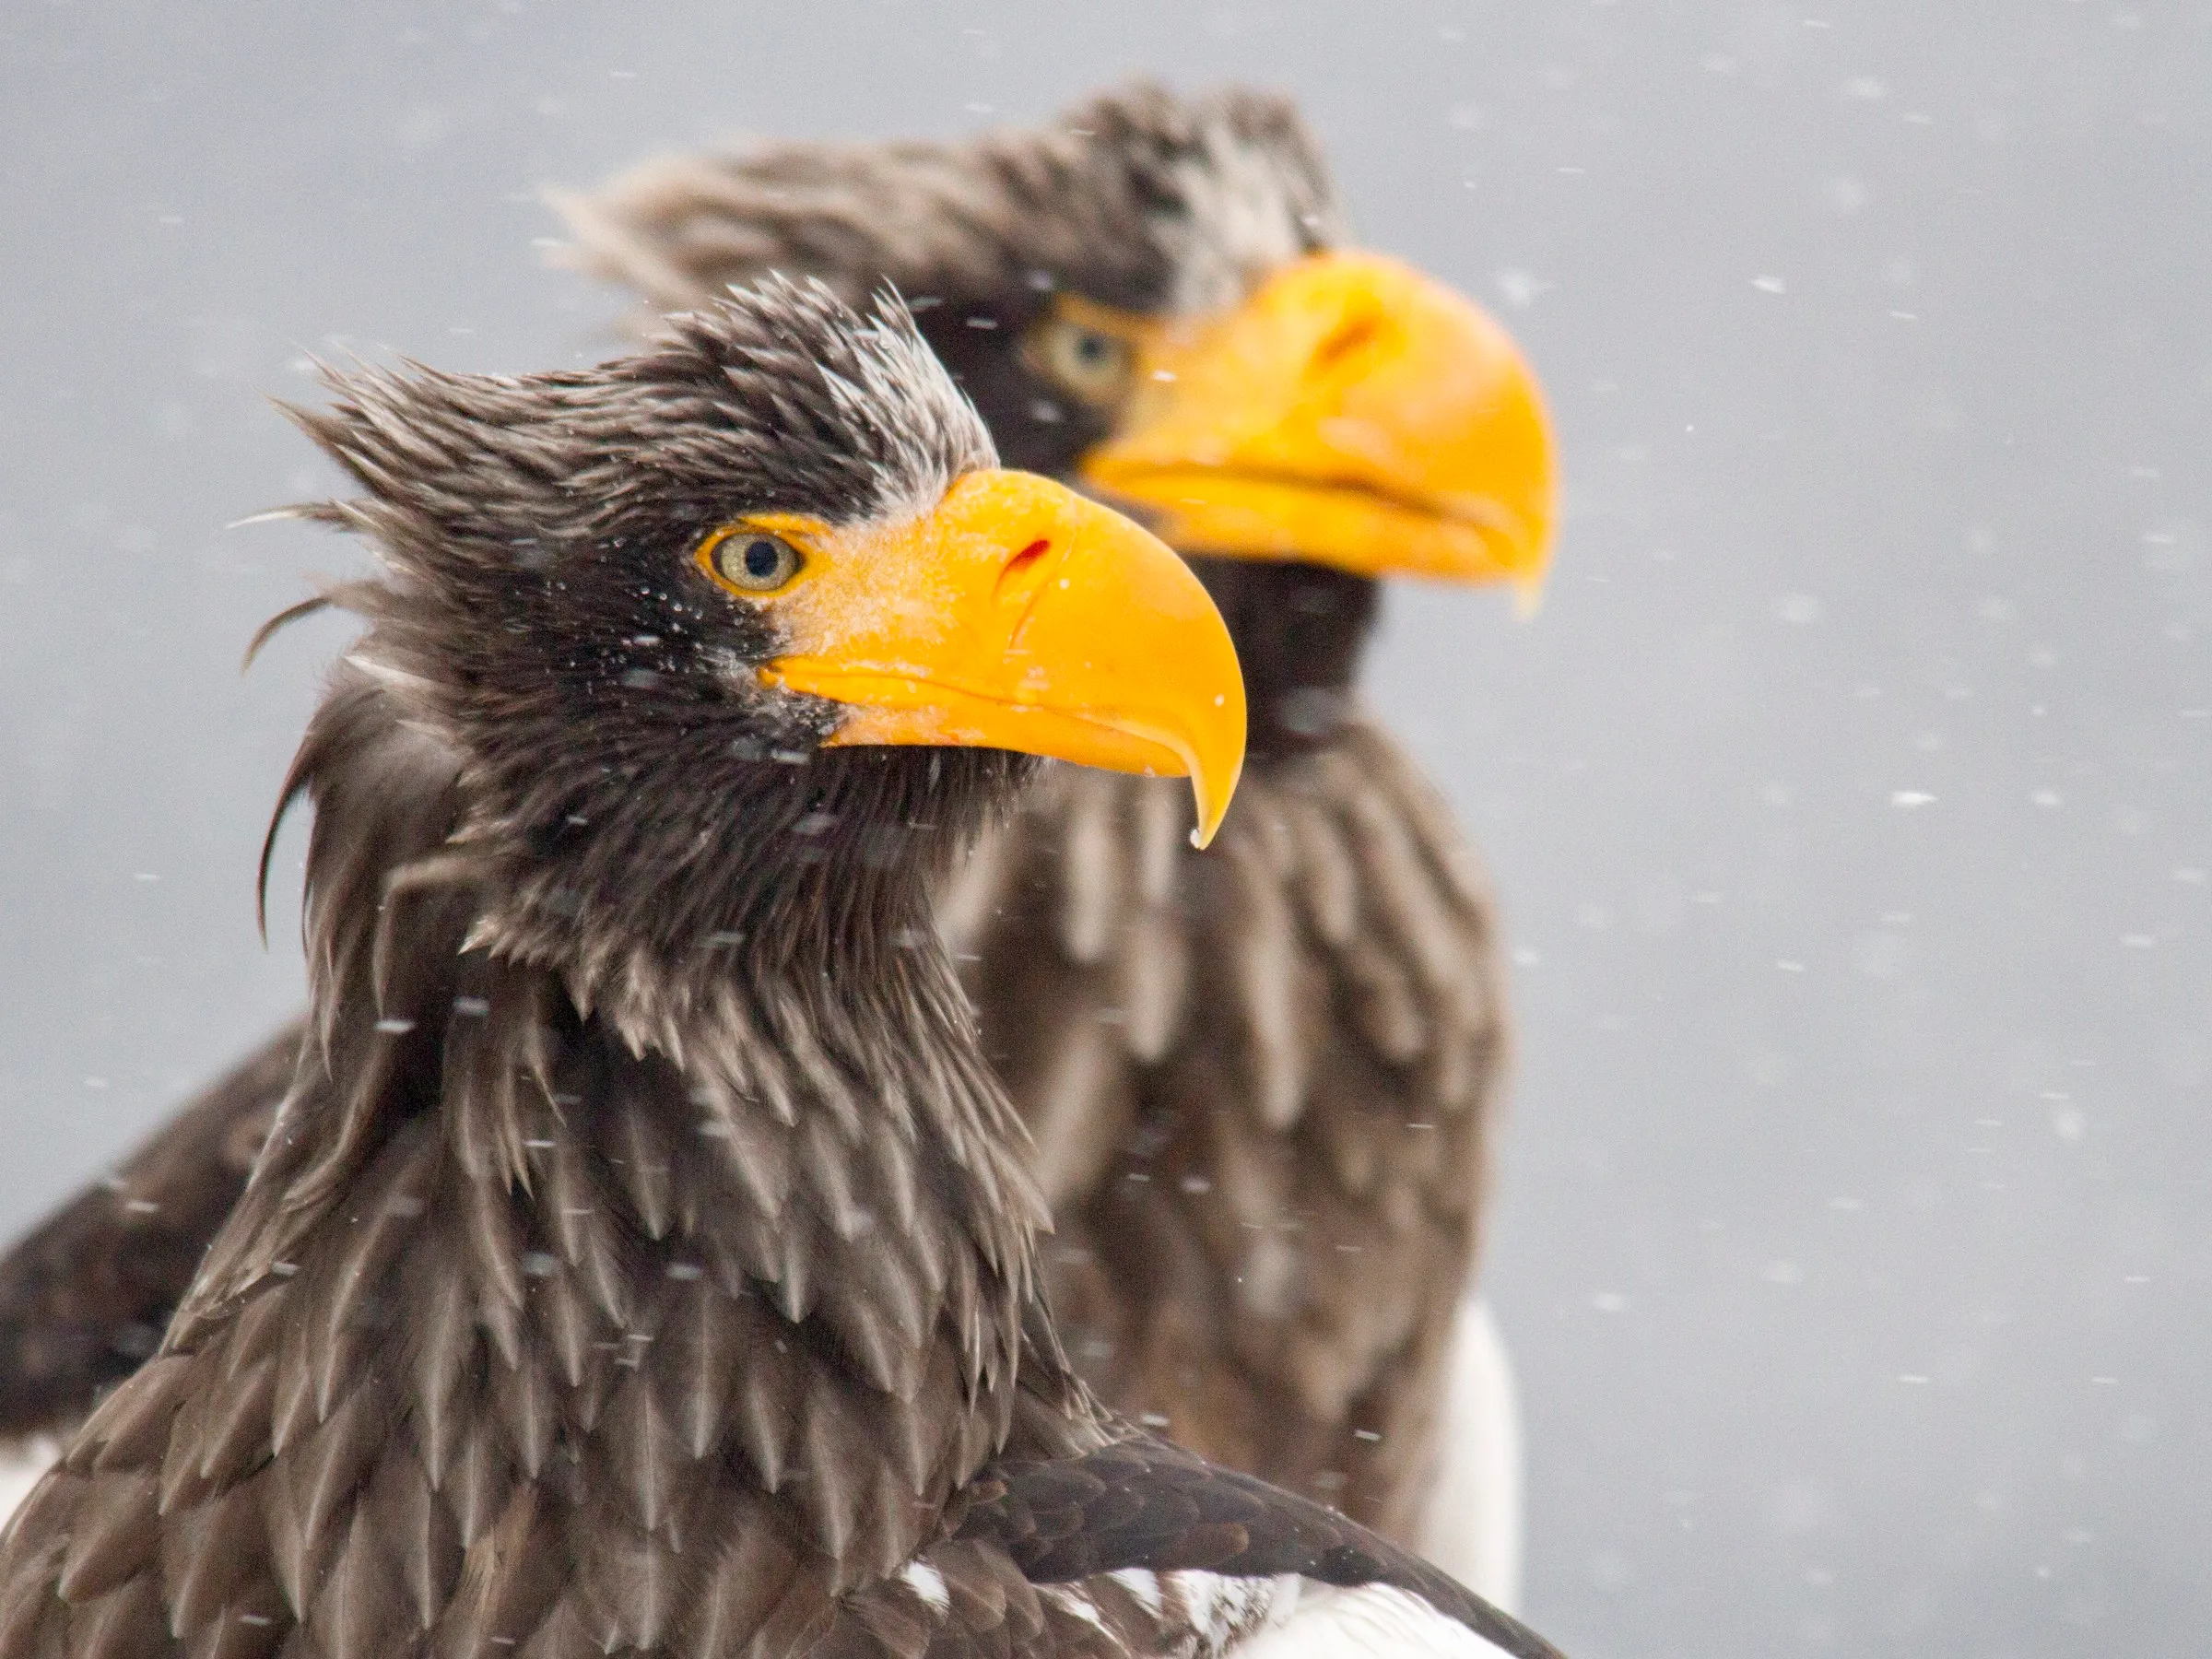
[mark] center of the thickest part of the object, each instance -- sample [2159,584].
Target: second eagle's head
[1150,298]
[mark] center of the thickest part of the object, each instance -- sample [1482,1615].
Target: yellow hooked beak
[1016,615]
[1352,413]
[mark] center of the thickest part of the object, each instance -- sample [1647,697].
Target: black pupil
[1092,349]
[762,559]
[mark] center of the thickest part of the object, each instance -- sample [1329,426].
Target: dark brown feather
[1143,1503]
[1262,1232]
[84,1298]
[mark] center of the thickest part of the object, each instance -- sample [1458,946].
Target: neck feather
[774,1171]
[1301,632]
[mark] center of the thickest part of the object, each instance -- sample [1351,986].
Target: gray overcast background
[1848,798]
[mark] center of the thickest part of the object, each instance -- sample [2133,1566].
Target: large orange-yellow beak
[1018,614]
[1351,412]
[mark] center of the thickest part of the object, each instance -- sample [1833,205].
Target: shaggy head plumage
[540,618]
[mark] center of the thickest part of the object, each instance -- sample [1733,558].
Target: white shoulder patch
[1471,1525]
[1330,1623]
[1218,1610]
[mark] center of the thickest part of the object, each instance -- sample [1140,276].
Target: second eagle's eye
[1090,362]
[754,562]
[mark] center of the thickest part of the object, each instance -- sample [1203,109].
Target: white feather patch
[1330,1623]
[1143,1583]
[1221,1610]
[928,1584]
[1471,1526]
[1071,1599]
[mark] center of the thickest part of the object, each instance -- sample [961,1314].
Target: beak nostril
[1346,339]
[1022,563]
[1011,582]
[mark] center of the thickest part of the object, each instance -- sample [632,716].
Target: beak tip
[1211,796]
[1528,598]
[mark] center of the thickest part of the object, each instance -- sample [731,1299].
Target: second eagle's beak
[1352,413]
[1018,614]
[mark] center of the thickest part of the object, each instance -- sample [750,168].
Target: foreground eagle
[644,1261]
[1262,1078]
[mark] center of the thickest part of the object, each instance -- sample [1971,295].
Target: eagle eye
[750,561]
[1090,362]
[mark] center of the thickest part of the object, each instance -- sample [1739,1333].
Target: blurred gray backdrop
[1848,798]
